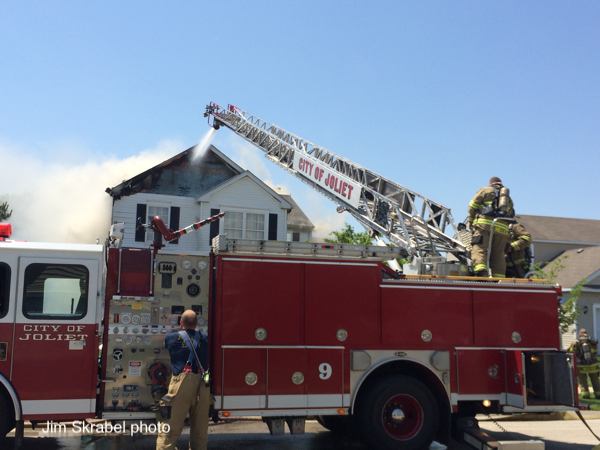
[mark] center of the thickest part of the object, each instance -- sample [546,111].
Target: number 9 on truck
[325,370]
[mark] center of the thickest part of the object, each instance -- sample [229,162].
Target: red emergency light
[5,231]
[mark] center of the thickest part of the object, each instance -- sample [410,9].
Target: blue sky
[436,95]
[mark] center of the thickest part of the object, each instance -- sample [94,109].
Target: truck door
[55,356]
[7,309]
[515,378]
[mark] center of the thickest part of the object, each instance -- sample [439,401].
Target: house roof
[297,217]
[580,263]
[246,174]
[562,229]
[149,179]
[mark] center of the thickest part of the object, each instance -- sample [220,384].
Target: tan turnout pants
[479,251]
[189,395]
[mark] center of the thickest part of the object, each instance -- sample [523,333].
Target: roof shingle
[580,263]
[562,229]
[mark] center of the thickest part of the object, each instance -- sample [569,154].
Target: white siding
[125,209]
[248,196]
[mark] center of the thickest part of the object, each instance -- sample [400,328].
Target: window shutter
[272,227]
[214,226]
[140,217]
[174,222]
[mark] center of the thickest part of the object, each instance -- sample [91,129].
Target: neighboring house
[299,227]
[183,191]
[579,241]
[582,264]
[554,235]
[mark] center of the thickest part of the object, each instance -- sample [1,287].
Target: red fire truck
[295,329]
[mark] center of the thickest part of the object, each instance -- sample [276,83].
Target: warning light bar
[5,231]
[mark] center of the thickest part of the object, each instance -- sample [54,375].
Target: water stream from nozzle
[203,145]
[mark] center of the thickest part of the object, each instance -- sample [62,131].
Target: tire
[336,424]
[398,412]
[7,414]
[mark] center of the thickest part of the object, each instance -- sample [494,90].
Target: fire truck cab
[50,311]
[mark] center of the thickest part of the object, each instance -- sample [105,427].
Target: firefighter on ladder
[518,256]
[489,203]
[586,350]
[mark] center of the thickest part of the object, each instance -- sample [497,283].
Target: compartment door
[244,378]
[305,377]
[562,380]
[481,372]
[515,379]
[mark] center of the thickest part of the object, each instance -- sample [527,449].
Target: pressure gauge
[135,319]
[146,319]
[147,340]
[202,265]
[138,340]
[127,340]
[125,318]
[186,265]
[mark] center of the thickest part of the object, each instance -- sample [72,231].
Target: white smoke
[248,157]
[65,201]
[325,218]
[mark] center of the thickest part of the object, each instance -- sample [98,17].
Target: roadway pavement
[254,435]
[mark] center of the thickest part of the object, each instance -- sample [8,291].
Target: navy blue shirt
[180,352]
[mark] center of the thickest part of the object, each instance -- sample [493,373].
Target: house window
[296,237]
[234,225]
[153,211]
[255,226]
[240,225]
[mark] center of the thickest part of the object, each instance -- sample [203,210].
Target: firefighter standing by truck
[518,256]
[189,388]
[489,203]
[586,350]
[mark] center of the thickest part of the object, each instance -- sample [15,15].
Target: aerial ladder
[419,225]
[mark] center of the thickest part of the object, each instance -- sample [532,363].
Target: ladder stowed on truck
[295,330]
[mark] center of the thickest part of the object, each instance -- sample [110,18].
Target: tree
[347,235]
[4,212]
[568,312]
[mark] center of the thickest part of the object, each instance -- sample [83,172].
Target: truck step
[480,440]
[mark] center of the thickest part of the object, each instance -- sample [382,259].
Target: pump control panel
[138,325]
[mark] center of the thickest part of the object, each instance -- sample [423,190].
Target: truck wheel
[398,412]
[7,414]
[336,424]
